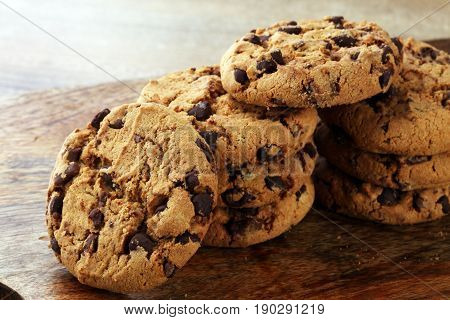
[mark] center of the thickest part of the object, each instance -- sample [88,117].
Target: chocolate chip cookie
[344,194]
[131,197]
[412,117]
[314,63]
[242,227]
[386,170]
[259,152]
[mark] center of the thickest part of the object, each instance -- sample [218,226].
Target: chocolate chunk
[266,66]
[55,246]
[201,111]
[211,139]
[203,204]
[72,170]
[275,182]
[291,29]
[299,193]
[328,45]
[236,197]
[240,76]
[162,206]
[91,243]
[141,239]
[55,206]
[417,159]
[443,201]
[292,23]
[269,153]
[169,268]
[344,41]
[118,124]
[354,56]
[389,197]
[253,38]
[384,78]
[445,99]
[398,44]
[310,150]
[191,180]
[97,217]
[429,52]
[277,56]
[386,51]
[417,202]
[73,155]
[99,118]
[185,237]
[209,156]
[107,180]
[338,21]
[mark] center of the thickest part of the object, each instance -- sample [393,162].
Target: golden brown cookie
[313,63]
[131,197]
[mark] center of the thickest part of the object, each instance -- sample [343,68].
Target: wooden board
[324,257]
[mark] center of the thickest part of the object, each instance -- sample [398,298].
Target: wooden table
[327,256]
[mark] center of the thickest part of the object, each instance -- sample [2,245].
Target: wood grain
[325,257]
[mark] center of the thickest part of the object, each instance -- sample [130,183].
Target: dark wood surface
[327,256]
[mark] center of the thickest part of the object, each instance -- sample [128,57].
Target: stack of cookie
[219,155]
[388,156]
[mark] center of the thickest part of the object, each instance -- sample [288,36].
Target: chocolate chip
[253,38]
[338,21]
[71,171]
[398,44]
[211,139]
[203,204]
[354,56]
[428,51]
[389,197]
[55,206]
[99,118]
[209,156]
[384,55]
[328,45]
[107,180]
[91,243]
[291,29]
[162,206]
[418,202]
[73,155]
[299,193]
[310,149]
[292,23]
[344,41]
[201,111]
[417,159]
[55,246]
[236,197]
[97,217]
[445,99]
[384,78]
[169,268]
[185,237]
[191,180]
[240,76]
[443,201]
[277,56]
[266,66]
[118,124]
[138,138]
[141,239]
[275,182]
[269,153]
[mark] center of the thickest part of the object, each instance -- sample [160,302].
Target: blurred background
[143,39]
